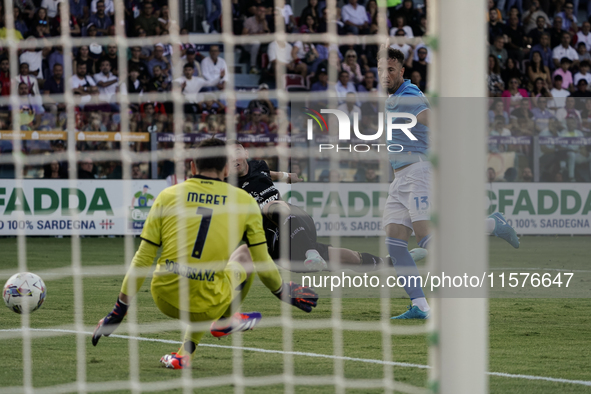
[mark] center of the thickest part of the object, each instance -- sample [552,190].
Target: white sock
[490,225]
[422,304]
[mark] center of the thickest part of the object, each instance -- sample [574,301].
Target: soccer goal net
[103,107]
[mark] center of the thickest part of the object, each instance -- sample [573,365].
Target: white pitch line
[317,355]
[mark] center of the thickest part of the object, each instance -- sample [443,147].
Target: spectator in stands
[147,20]
[352,67]
[191,57]
[29,80]
[540,89]
[569,20]
[583,72]
[540,28]
[583,53]
[495,82]
[310,25]
[349,107]
[263,103]
[4,77]
[159,60]
[100,20]
[281,52]
[420,64]
[344,86]
[498,129]
[371,176]
[56,57]
[565,50]
[322,83]
[106,81]
[96,121]
[140,65]
[511,71]
[558,93]
[164,19]
[40,20]
[575,154]
[34,59]
[191,86]
[491,175]
[399,23]
[111,57]
[146,53]
[584,36]
[79,10]
[556,31]
[81,83]
[86,169]
[535,19]
[256,24]
[568,110]
[133,85]
[372,17]
[30,110]
[54,85]
[536,69]
[160,82]
[256,125]
[581,91]
[19,24]
[324,22]
[310,10]
[369,83]
[498,50]
[56,24]
[355,18]
[211,106]
[518,42]
[513,94]
[497,109]
[586,117]
[543,48]
[496,28]
[416,79]
[541,114]
[54,170]
[83,57]
[567,76]
[401,45]
[213,65]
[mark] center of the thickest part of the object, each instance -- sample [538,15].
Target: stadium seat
[246,81]
[293,80]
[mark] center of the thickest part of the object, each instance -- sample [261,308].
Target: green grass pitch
[539,337]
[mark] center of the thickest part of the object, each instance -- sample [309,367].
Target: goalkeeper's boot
[413,312]
[176,361]
[314,262]
[503,230]
[418,254]
[238,322]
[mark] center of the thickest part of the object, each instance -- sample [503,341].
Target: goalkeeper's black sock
[369,262]
[189,347]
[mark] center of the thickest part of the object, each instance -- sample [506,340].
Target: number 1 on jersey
[203,229]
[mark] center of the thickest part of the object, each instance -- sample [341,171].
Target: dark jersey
[258,183]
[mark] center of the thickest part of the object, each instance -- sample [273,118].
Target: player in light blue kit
[407,206]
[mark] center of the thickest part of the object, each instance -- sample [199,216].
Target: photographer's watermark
[345,130]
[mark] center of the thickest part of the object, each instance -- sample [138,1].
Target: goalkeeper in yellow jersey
[198,224]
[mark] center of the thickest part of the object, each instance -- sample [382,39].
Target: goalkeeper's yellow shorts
[236,275]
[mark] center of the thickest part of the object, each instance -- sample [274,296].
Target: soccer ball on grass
[24,292]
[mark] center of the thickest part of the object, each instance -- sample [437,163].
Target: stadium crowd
[539,58]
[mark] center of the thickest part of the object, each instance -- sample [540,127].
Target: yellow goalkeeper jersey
[199,223]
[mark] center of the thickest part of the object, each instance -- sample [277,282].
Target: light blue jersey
[408,98]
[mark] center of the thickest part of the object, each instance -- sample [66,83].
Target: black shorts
[305,240]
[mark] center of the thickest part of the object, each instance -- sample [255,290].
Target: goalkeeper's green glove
[109,323]
[302,297]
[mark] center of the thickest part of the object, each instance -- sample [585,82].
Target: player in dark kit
[281,218]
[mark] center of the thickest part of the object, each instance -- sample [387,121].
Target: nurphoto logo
[345,129]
